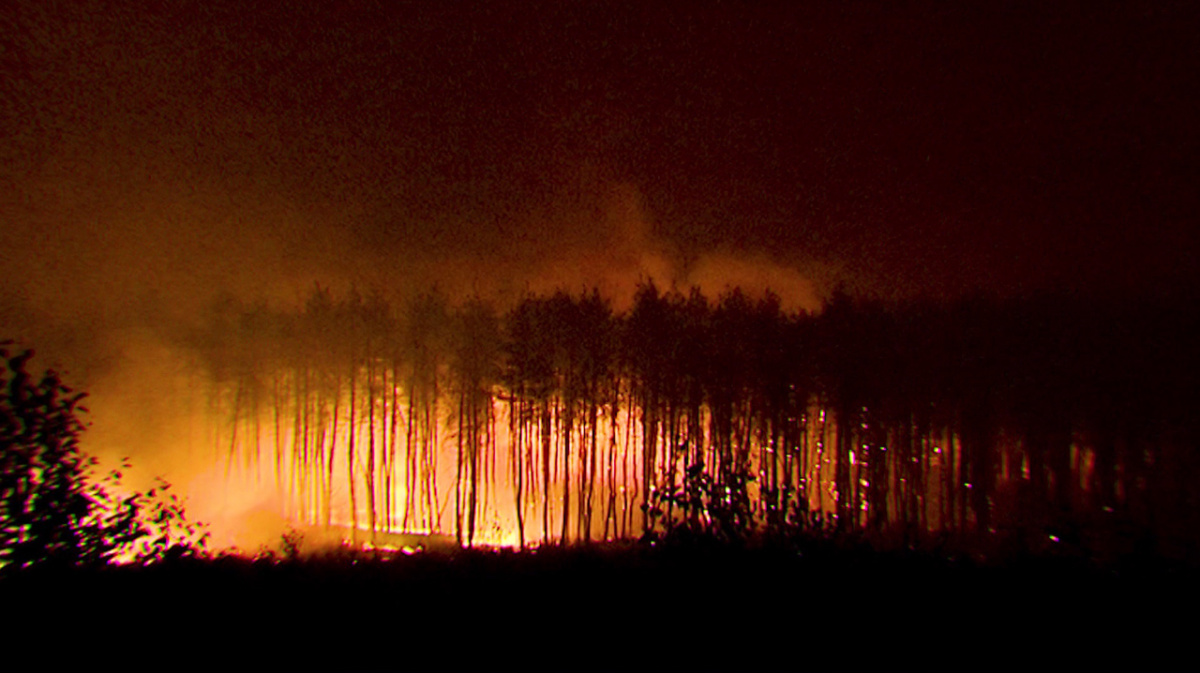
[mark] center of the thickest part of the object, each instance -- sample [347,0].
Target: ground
[626,608]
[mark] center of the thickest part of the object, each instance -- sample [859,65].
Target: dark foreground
[605,608]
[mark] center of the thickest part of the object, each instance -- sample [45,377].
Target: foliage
[709,508]
[52,510]
[290,543]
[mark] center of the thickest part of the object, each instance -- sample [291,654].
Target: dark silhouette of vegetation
[825,604]
[53,512]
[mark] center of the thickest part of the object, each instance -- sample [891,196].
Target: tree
[51,510]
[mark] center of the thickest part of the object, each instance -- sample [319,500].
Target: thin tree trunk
[350,458]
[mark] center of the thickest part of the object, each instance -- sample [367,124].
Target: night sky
[154,155]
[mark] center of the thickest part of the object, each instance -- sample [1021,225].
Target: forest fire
[562,421]
[546,334]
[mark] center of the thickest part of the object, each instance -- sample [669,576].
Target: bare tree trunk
[458,536]
[337,399]
[546,470]
[370,472]
[410,458]
[567,426]
[350,458]
[390,468]
[473,457]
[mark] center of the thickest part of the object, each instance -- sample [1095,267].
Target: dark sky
[153,154]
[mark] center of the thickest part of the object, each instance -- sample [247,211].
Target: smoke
[110,265]
[626,252]
[756,275]
[105,273]
[145,183]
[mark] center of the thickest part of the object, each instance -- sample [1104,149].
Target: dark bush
[52,512]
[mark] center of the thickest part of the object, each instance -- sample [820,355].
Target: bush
[52,512]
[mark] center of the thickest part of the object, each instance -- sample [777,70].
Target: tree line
[1036,422]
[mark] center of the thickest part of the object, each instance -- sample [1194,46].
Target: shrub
[51,511]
